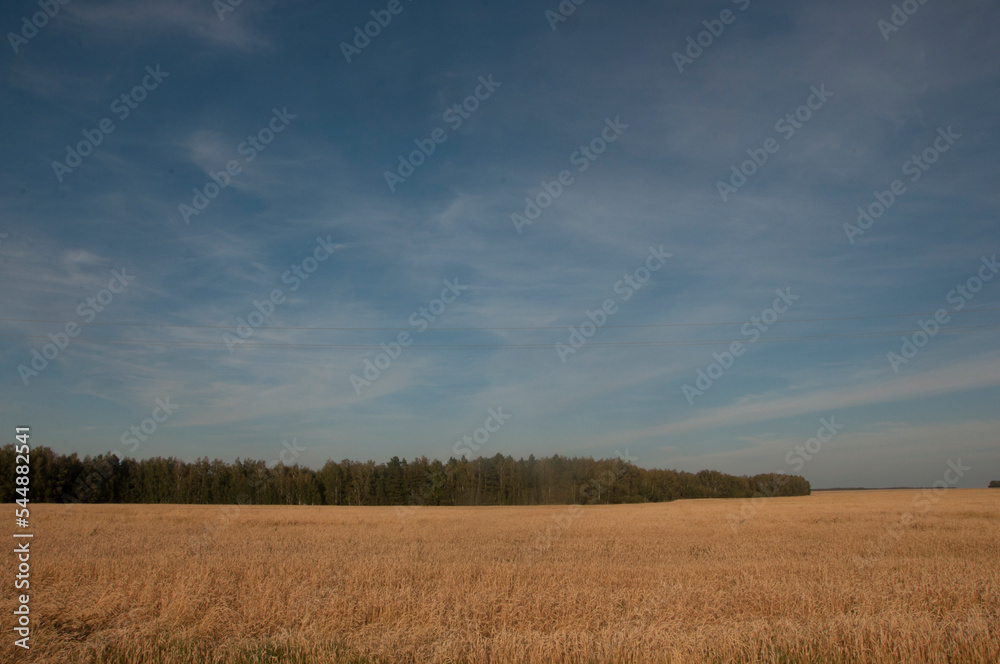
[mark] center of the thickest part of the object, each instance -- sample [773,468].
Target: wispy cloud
[656,185]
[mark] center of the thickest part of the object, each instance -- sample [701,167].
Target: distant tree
[496,480]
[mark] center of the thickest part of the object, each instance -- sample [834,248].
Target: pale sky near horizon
[616,126]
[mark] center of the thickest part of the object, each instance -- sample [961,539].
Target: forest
[497,480]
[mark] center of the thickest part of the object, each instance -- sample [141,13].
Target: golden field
[832,577]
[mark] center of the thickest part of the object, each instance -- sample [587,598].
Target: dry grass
[811,579]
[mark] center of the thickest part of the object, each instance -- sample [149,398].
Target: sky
[217,220]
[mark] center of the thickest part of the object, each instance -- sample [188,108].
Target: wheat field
[867,576]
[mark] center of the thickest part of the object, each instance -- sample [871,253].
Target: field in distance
[832,577]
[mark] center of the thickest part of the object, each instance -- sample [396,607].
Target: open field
[822,578]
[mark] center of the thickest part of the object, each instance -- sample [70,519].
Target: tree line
[497,480]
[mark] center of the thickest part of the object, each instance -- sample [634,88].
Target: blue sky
[318,190]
